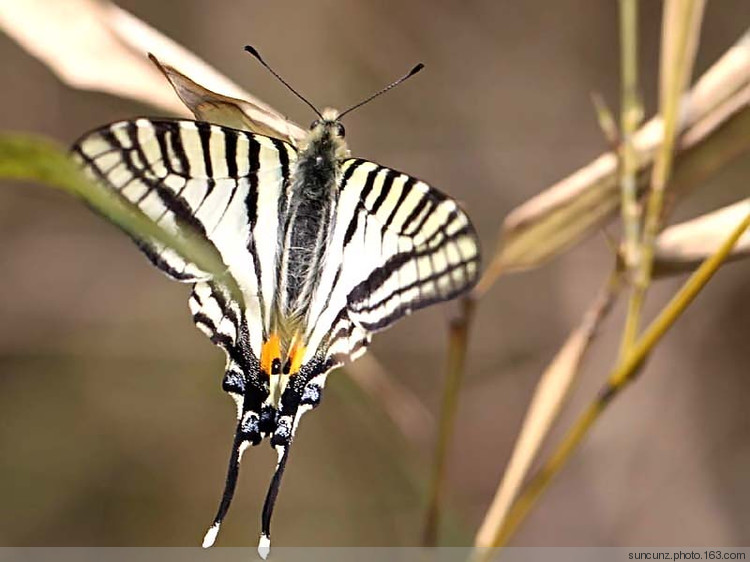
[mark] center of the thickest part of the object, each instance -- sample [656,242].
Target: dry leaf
[728,127]
[229,112]
[104,48]
[580,204]
[86,52]
[682,247]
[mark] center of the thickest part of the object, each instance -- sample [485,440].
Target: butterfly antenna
[226,498]
[409,74]
[250,49]
[264,544]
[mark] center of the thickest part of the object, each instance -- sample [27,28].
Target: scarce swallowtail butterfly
[320,251]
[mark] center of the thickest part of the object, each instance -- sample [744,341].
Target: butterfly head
[325,141]
[329,123]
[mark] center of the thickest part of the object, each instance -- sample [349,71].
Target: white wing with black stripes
[190,176]
[398,245]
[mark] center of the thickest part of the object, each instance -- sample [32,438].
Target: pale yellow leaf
[86,51]
[104,48]
[682,247]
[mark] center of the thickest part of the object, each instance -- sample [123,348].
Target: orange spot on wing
[296,353]
[271,350]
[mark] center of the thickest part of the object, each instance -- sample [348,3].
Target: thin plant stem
[455,362]
[630,118]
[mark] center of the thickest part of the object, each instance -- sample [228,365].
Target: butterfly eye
[314,124]
[340,131]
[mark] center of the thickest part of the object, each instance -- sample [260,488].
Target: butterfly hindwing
[429,250]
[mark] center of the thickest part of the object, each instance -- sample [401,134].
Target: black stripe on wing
[218,316]
[221,318]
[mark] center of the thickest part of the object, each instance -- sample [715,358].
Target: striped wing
[190,176]
[398,245]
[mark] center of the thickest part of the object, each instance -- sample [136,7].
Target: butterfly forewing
[204,179]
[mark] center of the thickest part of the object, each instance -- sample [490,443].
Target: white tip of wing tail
[264,546]
[210,538]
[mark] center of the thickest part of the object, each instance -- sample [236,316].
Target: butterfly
[319,250]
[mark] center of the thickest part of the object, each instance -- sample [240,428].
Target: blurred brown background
[113,426]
